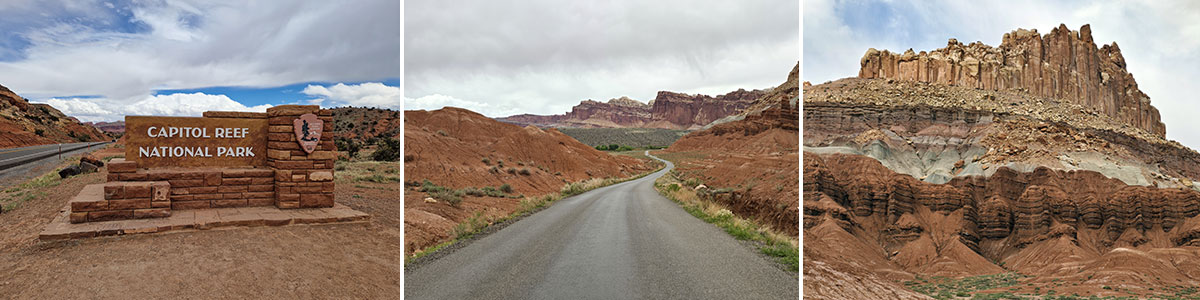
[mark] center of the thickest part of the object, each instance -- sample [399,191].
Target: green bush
[350,146]
[506,188]
[388,150]
[524,172]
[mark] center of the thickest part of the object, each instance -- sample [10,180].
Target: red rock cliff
[1063,64]
[668,110]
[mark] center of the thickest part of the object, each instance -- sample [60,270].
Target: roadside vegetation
[479,221]
[629,137]
[970,287]
[13,197]
[358,171]
[785,248]
[454,197]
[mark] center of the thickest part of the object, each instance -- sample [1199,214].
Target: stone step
[120,200]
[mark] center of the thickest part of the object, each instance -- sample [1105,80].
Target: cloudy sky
[101,60]
[1159,39]
[502,58]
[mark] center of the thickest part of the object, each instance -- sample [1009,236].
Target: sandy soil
[299,261]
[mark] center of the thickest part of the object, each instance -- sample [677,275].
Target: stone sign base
[61,228]
[171,178]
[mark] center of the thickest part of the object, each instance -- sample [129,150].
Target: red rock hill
[28,124]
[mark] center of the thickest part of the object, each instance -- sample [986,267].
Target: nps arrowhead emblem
[308,131]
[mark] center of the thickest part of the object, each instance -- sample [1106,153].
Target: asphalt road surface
[16,156]
[624,241]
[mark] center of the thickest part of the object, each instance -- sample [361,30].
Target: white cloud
[365,94]
[544,56]
[1160,40]
[438,101]
[197,44]
[178,104]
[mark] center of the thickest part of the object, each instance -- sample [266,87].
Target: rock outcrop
[1063,64]
[668,110]
[28,124]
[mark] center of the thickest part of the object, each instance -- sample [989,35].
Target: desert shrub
[673,187]
[388,150]
[512,171]
[494,169]
[339,168]
[428,186]
[487,161]
[376,178]
[454,198]
[474,192]
[39,132]
[506,188]
[524,172]
[493,192]
[442,133]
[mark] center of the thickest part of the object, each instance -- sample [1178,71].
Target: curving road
[624,241]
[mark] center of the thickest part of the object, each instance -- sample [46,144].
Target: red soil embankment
[449,146]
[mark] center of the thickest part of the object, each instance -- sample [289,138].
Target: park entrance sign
[196,142]
[278,158]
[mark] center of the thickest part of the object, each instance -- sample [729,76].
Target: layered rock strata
[1021,206]
[1063,64]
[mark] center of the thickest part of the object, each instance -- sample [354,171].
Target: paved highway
[16,156]
[624,241]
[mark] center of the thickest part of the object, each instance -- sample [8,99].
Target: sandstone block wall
[302,180]
[121,200]
[1063,64]
[193,188]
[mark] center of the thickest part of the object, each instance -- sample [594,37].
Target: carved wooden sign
[195,142]
[308,131]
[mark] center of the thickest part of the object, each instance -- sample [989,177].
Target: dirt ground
[298,261]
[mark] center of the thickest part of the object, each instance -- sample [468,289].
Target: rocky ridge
[668,110]
[1063,64]
[28,124]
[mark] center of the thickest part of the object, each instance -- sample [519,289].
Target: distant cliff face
[28,124]
[109,127]
[1063,64]
[668,110]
